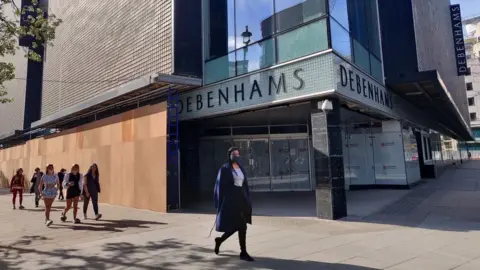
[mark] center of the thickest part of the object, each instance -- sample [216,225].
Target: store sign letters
[261,88]
[361,85]
[459,42]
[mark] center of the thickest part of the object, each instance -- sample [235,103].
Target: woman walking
[50,184]
[73,183]
[35,187]
[16,186]
[91,189]
[232,201]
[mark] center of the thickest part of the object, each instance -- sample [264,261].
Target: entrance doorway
[271,162]
[360,159]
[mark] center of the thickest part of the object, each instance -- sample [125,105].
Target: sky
[468,7]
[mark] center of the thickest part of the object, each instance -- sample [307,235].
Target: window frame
[469,86]
[472,103]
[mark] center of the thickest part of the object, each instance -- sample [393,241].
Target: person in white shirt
[73,183]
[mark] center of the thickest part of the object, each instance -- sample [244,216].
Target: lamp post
[246,35]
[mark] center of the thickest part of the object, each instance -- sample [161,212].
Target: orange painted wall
[129,148]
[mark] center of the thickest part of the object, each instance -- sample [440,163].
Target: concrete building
[472,81]
[314,93]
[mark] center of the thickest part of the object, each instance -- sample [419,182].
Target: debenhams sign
[459,42]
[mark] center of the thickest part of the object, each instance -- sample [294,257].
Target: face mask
[235,159]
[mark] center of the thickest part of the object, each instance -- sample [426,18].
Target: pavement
[433,226]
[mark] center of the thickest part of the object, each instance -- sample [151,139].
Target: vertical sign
[459,43]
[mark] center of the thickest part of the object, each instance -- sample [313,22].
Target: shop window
[341,41]
[469,86]
[473,116]
[303,41]
[256,56]
[288,129]
[250,130]
[220,68]
[471,101]
[219,28]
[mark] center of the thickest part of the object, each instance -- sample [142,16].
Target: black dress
[73,190]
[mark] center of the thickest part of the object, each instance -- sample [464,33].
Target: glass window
[290,13]
[361,56]
[341,42]
[219,28]
[303,41]
[471,101]
[339,11]
[254,16]
[220,68]
[469,86]
[473,116]
[376,68]
[256,56]
[373,34]
[358,21]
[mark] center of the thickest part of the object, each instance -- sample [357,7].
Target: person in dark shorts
[73,183]
[61,175]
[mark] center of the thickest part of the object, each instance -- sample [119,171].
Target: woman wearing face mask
[73,183]
[50,184]
[232,201]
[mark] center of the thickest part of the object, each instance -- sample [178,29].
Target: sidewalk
[435,226]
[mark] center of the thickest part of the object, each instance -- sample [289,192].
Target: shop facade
[302,93]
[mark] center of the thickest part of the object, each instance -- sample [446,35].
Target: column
[331,202]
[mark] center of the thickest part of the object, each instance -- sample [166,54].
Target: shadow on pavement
[168,254]
[108,225]
[448,203]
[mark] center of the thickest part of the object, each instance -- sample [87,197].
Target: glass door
[299,164]
[255,160]
[290,164]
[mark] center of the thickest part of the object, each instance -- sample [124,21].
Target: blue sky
[469,7]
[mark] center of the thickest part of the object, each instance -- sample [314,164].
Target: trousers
[20,195]
[86,201]
[242,238]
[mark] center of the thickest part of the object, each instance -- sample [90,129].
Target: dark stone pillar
[331,202]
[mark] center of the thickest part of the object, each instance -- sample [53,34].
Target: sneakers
[21,207]
[14,207]
[63,218]
[245,257]
[48,222]
[76,221]
[99,216]
[84,216]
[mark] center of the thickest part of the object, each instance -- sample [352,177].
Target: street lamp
[246,40]
[246,36]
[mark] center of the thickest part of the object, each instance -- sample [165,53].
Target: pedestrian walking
[232,201]
[50,184]
[16,187]
[73,183]
[91,189]
[61,175]
[37,176]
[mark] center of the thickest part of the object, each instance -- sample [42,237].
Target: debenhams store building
[299,87]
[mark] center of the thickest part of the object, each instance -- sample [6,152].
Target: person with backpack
[16,187]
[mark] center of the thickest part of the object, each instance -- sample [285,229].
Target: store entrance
[272,163]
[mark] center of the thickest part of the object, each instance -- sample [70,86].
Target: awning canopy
[134,92]
[427,92]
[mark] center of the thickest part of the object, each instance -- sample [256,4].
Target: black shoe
[63,218]
[245,257]
[218,242]
[76,221]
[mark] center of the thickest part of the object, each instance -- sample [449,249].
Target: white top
[66,179]
[238,177]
